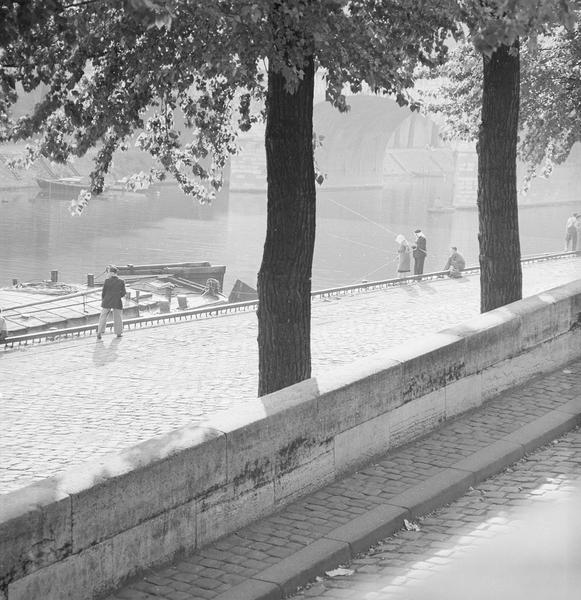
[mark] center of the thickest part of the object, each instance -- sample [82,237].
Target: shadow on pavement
[104,355]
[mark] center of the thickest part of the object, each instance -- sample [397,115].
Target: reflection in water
[355,232]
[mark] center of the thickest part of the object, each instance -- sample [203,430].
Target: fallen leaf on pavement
[411,526]
[339,572]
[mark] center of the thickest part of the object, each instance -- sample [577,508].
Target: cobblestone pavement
[66,402]
[495,542]
[392,566]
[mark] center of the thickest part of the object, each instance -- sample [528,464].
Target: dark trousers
[419,265]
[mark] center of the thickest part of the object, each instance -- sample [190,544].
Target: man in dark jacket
[113,291]
[420,252]
[455,264]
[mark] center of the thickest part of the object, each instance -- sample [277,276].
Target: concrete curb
[366,529]
[252,589]
[306,564]
[435,491]
[342,544]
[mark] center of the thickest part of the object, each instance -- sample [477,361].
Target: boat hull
[60,186]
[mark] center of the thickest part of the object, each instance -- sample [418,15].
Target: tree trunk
[284,279]
[498,236]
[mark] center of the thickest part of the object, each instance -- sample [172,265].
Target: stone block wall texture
[81,534]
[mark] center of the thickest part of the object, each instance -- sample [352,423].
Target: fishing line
[366,277]
[362,216]
[340,237]
[99,275]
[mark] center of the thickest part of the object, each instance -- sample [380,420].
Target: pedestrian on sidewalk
[404,253]
[420,252]
[111,300]
[455,264]
[571,232]
[3,327]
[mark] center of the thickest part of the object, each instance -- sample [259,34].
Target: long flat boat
[150,289]
[196,272]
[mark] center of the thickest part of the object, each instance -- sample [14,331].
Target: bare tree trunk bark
[498,236]
[284,279]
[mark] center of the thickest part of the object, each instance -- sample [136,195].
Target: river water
[355,232]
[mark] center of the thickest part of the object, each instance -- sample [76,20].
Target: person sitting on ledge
[455,264]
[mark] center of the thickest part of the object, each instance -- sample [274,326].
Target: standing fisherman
[571,233]
[420,252]
[404,256]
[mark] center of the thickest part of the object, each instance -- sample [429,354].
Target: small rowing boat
[62,186]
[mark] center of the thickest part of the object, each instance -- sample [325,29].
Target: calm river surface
[355,235]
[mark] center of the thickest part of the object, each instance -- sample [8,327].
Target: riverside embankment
[67,402]
[83,532]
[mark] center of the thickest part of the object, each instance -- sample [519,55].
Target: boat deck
[39,306]
[27,312]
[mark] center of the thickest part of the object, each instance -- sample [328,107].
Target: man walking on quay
[419,252]
[113,291]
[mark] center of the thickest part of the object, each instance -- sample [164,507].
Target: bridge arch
[374,139]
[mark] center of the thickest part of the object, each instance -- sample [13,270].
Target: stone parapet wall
[82,533]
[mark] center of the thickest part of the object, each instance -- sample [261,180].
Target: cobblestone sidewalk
[275,555]
[64,403]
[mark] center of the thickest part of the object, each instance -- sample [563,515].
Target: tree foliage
[17,18]
[550,118]
[495,23]
[142,65]
[551,101]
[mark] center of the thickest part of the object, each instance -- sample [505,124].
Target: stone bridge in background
[377,141]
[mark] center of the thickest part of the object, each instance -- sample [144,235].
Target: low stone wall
[80,534]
